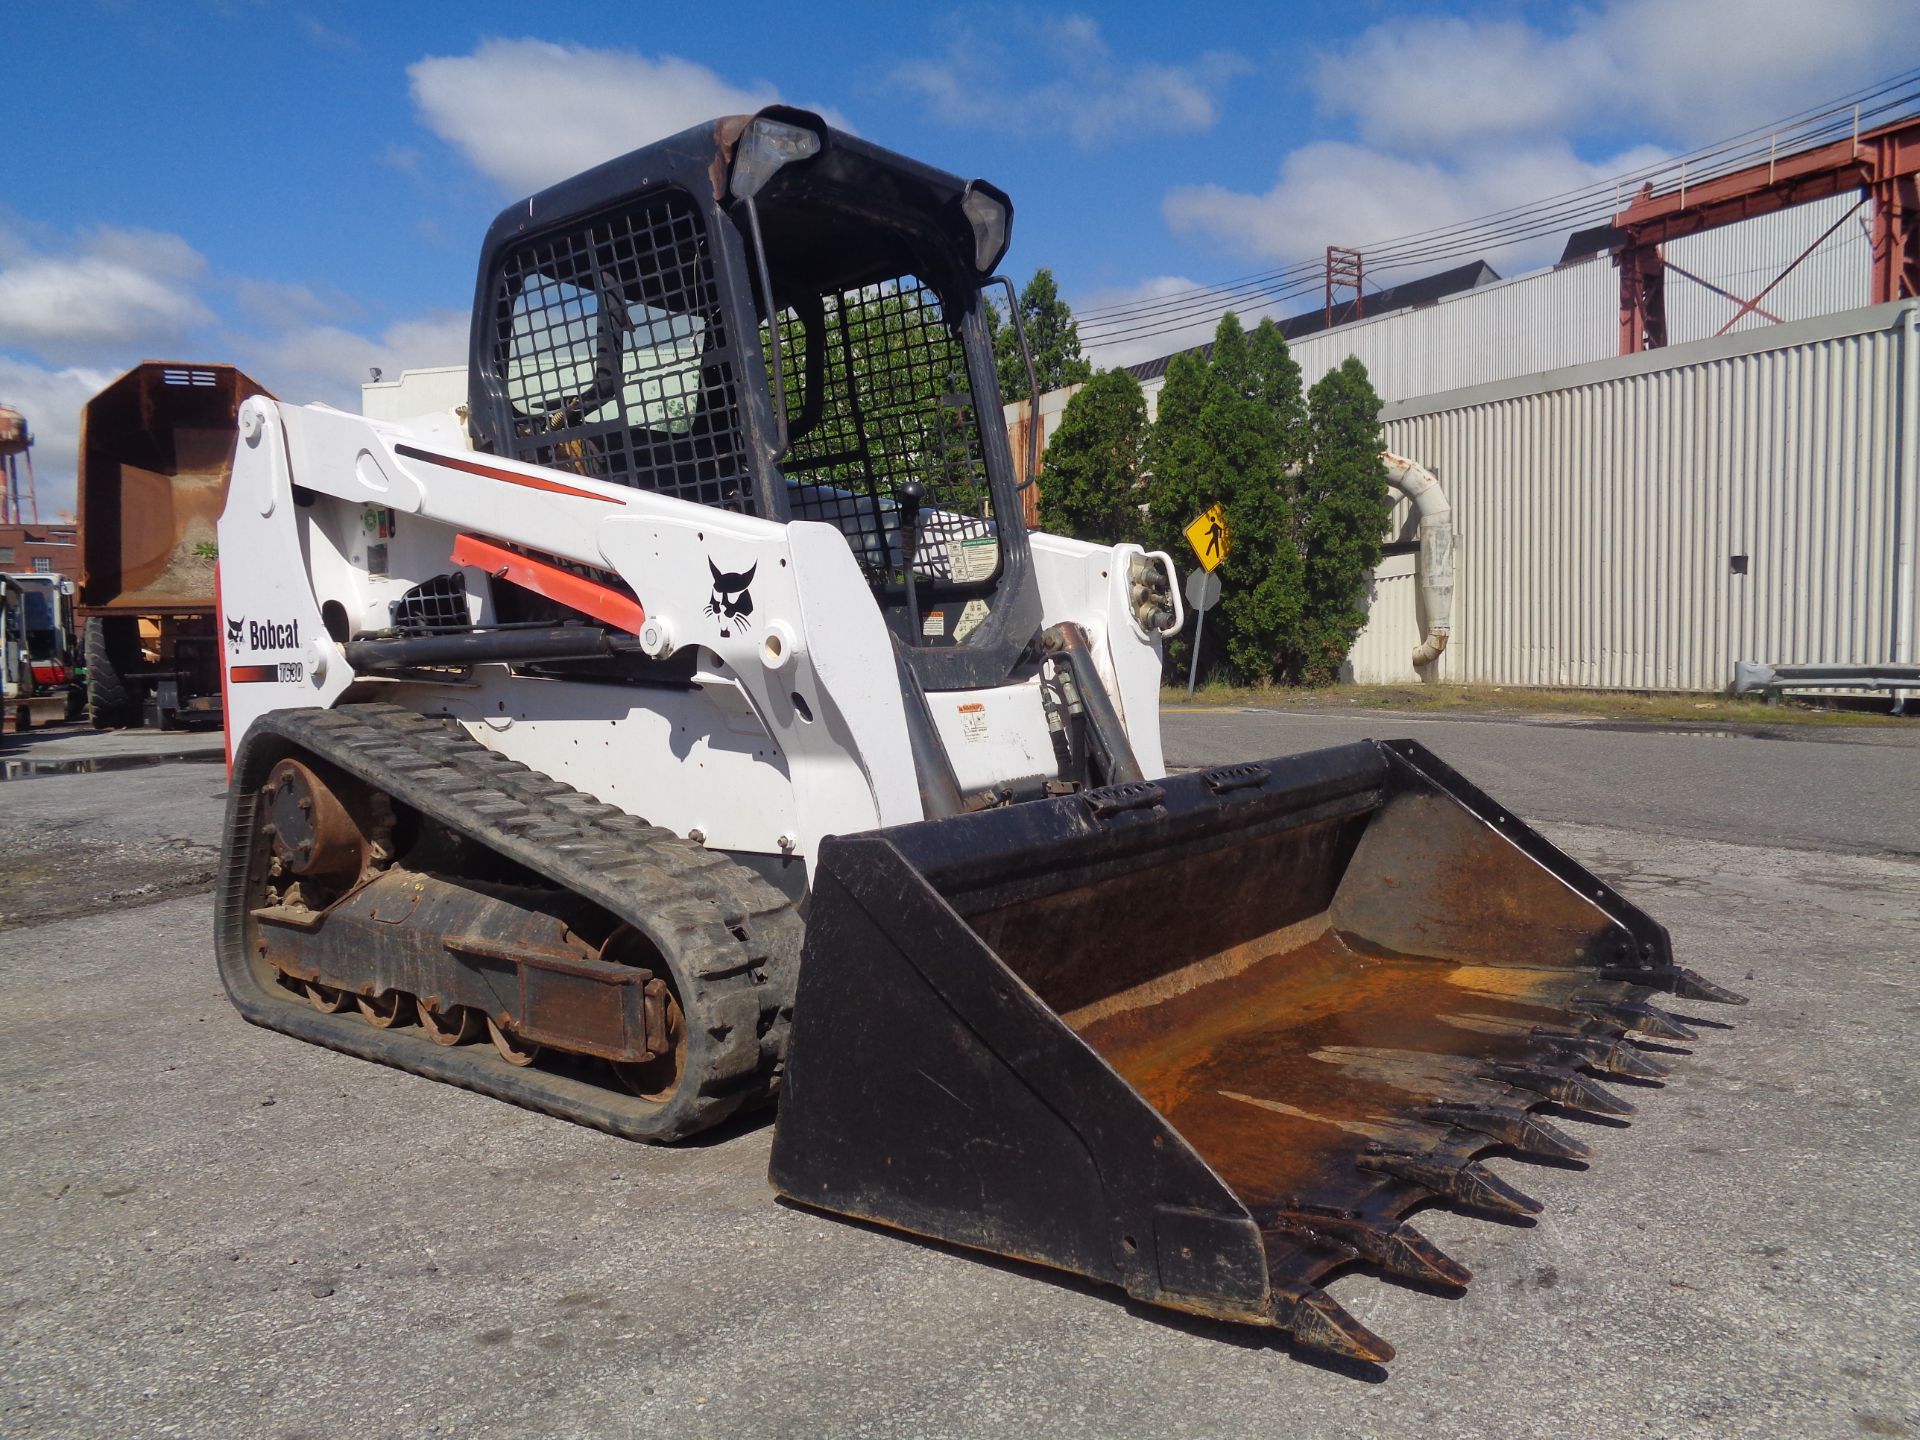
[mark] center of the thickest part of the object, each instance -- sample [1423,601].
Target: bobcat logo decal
[731,600]
[234,629]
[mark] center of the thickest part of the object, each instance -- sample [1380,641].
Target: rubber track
[731,939]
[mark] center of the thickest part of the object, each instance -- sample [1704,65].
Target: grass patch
[1652,707]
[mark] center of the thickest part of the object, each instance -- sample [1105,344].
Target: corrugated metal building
[1642,522]
[1645,521]
[1571,314]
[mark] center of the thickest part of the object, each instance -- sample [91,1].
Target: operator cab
[622,330]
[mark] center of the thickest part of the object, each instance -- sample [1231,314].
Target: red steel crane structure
[1884,163]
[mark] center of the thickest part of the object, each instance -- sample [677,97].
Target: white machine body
[792,723]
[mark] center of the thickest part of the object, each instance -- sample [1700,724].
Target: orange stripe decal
[602,602]
[489,472]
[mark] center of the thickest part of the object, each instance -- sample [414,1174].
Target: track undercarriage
[396,891]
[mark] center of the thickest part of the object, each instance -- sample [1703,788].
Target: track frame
[730,939]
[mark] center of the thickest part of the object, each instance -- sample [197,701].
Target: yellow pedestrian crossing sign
[1210,538]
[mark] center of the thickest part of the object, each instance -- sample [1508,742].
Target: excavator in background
[690,719]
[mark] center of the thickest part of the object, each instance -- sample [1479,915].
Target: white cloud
[1336,193]
[303,362]
[51,401]
[293,354]
[326,37]
[1091,96]
[403,158]
[1457,118]
[1692,72]
[278,304]
[529,112]
[76,311]
[111,289]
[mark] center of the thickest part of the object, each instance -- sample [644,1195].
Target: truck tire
[110,704]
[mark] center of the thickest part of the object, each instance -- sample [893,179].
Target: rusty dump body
[1212,1038]
[156,453]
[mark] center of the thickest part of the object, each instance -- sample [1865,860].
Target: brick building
[42,549]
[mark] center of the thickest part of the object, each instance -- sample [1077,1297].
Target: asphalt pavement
[1805,786]
[209,1229]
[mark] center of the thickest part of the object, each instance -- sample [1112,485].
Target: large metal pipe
[1751,678]
[1418,484]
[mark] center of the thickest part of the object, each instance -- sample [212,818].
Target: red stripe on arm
[602,602]
[492,472]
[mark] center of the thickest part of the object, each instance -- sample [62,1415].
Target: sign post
[1203,592]
[1211,540]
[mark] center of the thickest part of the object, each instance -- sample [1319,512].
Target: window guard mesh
[896,405]
[615,357]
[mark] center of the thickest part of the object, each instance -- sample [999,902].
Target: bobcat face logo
[731,600]
[234,629]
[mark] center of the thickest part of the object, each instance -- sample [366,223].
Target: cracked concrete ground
[208,1229]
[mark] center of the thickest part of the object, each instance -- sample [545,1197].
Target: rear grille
[433,607]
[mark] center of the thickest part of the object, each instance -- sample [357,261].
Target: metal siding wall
[1516,327]
[1383,652]
[1569,316]
[1595,522]
[1745,257]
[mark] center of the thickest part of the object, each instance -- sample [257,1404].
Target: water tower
[16,451]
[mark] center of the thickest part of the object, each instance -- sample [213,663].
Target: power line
[1729,153]
[1168,313]
[1181,310]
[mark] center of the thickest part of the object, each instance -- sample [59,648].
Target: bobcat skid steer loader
[691,717]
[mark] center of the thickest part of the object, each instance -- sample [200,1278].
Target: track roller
[627,978]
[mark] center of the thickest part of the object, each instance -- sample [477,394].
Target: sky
[301,188]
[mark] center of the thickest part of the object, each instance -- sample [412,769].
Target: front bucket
[1209,1038]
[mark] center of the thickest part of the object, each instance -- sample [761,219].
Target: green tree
[1341,506]
[883,372]
[1224,435]
[1275,383]
[1052,338]
[1091,487]
[1177,472]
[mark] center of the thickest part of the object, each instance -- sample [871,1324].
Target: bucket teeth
[1397,1249]
[1313,1318]
[1680,981]
[1563,1087]
[1405,1252]
[1601,1052]
[1470,1184]
[1644,1018]
[1689,985]
[1523,1132]
[1306,1232]
[1624,1058]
